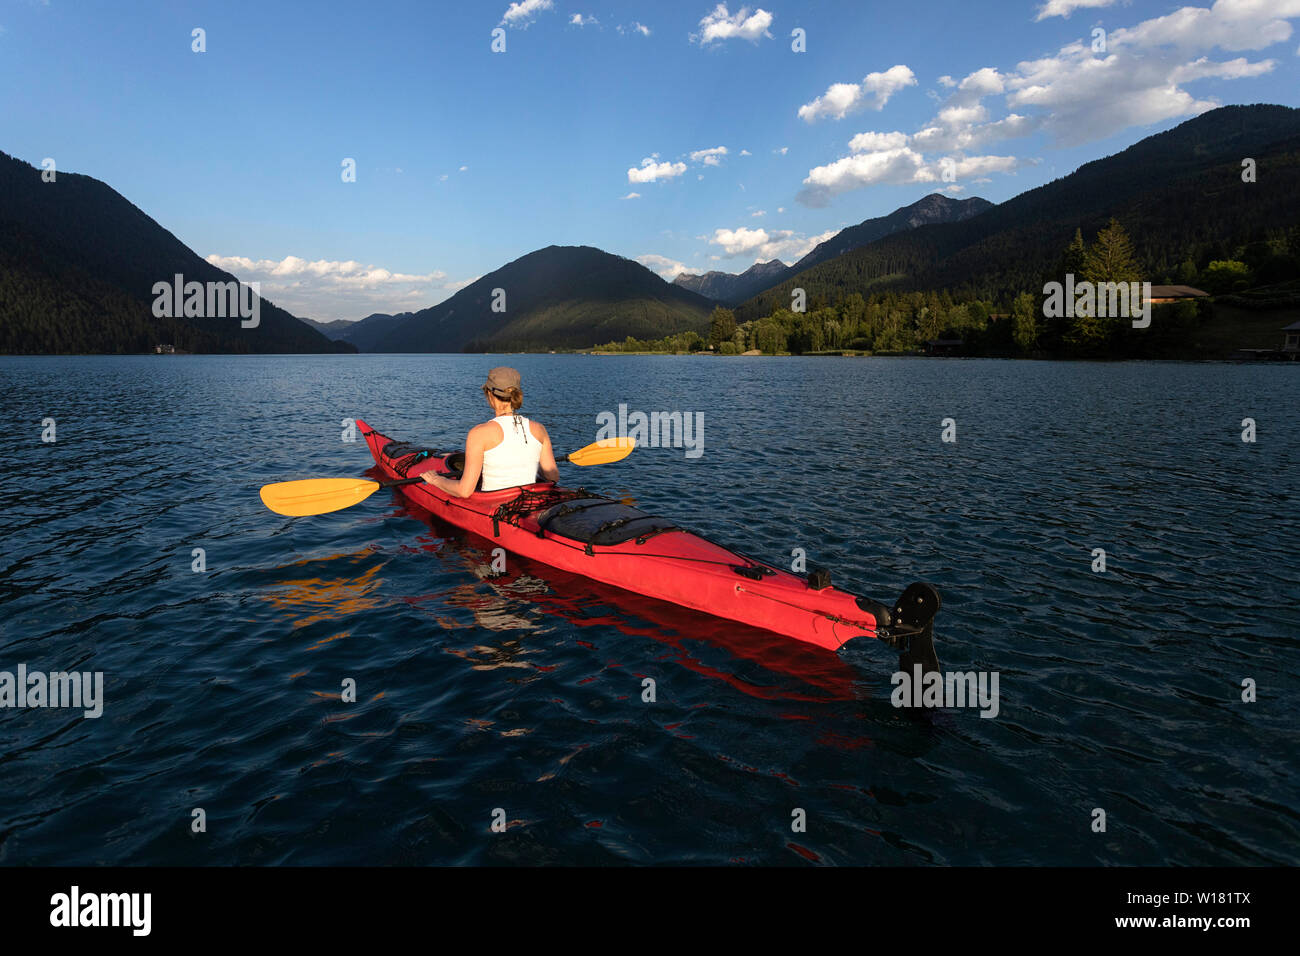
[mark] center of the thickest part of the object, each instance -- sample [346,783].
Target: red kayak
[608,541]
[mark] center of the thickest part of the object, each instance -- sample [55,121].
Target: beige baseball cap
[502,379]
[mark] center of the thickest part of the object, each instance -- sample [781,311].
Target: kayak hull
[676,566]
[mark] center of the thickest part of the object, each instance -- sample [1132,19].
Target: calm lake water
[1119,690]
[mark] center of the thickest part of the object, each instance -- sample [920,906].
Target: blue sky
[606,130]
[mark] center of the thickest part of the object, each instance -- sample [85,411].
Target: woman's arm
[474,447]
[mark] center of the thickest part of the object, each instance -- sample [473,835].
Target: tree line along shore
[1238,302]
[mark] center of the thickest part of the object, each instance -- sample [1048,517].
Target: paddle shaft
[411,481]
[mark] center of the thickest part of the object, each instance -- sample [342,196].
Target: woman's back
[505,452]
[514,461]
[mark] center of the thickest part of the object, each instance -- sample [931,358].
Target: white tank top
[514,461]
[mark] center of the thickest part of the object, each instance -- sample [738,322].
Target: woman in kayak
[506,451]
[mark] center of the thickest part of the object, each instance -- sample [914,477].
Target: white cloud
[781,150]
[737,242]
[902,165]
[632,196]
[873,142]
[745,152]
[710,157]
[962,125]
[1075,95]
[442,178]
[874,92]
[885,159]
[763,245]
[521,14]
[720,25]
[1237,69]
[974,135]
[578,20]
[325,290]
[463,169]
[1234,25]
[969,167]
[344,273]
[1063,8]
[962,115]
[1085,96]
[982,82]
[757,213]
[634,27]
[651,171]
[668,269]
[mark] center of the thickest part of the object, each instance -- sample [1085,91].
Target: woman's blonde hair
[514,395]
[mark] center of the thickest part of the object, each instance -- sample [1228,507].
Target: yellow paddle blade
[603,452]
[316,496]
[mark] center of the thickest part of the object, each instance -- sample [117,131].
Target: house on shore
[1162,294]
[1291,344]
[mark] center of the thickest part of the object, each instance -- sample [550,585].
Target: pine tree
[1072,260]
[1111,257]
[722,326]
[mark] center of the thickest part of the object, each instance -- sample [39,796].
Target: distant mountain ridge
[329,329]
[931,209]
[78,264]
[731,288]
[366,333]
[556,297]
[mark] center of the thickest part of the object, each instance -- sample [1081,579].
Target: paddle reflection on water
[311,600]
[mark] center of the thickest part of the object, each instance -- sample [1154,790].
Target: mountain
[557,297]
[78,264]
[734,289]
[729,288]
[934,208]
[331,330]
[366,334]
[1180,195]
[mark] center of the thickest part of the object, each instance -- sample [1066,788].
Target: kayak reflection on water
[506,451]
[584,603]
